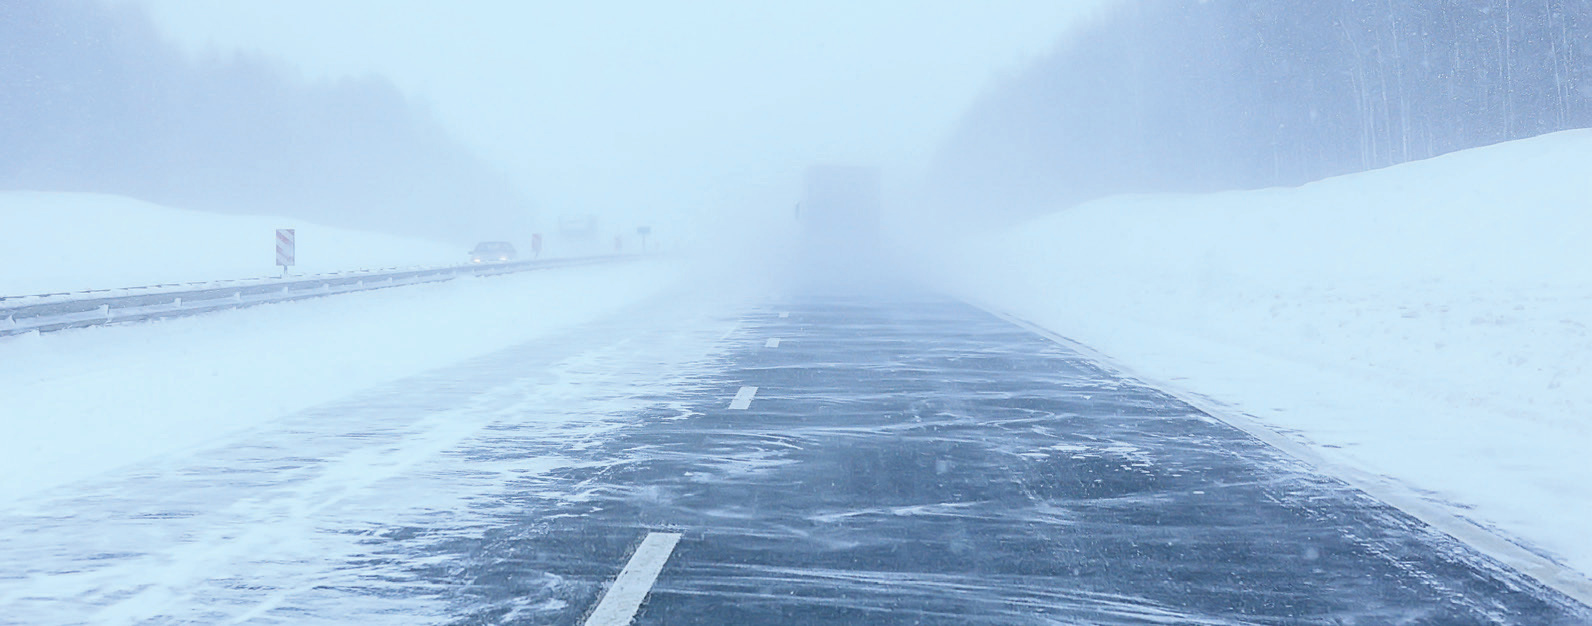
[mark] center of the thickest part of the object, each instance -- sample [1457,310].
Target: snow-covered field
[79,403]
[251,434]
[54,242]
[1430,322]
[315,516]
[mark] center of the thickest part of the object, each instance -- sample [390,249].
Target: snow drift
[73,241]
[1429,321]
[78,403]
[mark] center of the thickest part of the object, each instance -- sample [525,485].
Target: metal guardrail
[60,314]
[14,301]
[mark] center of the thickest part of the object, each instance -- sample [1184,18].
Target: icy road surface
[824,459]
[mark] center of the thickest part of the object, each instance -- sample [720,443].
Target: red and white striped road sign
[284,247]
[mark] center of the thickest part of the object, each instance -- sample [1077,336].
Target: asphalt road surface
[903,459]
[913,460]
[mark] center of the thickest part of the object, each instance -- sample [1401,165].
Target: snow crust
[80,403]
[1427,322]
[56,242]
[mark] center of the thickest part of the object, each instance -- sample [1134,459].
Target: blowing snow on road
[1227,312]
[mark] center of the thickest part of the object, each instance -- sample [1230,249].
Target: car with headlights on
[492,252]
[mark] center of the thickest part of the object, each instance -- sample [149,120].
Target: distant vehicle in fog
[492,252]
[839,217]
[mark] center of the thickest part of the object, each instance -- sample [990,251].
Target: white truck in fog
[839,217]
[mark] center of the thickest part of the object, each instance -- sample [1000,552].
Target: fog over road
[903,458]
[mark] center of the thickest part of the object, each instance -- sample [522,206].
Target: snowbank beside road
[1431,321]
[78,403]
[54,242]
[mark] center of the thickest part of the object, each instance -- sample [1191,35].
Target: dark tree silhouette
[91,99]
[1191,95]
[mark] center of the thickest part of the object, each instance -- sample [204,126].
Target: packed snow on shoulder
[54,242]
[80,403]
[1429,322]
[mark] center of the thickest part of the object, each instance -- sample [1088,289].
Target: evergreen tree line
[1200,95]
[92,99]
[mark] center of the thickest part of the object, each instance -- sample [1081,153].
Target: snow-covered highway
[902,458]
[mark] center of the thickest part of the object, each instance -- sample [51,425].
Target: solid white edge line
[743,398]
[623,598]
[773,342]
[1492,543]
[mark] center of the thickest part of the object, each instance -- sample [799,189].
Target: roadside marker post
[286,245]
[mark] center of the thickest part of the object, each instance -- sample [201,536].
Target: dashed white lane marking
[743,398]
[623,598]
[771,343]
[784,314]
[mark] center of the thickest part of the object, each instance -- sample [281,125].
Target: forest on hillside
[1201,95]
[92,99]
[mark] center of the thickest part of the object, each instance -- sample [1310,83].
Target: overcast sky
[646,111]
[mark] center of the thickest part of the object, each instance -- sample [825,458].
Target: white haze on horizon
[671,114]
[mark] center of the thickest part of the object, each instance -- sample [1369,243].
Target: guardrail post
[105,310]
